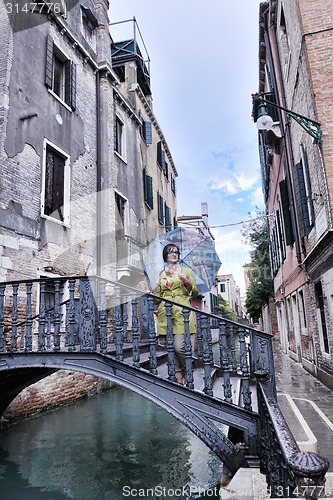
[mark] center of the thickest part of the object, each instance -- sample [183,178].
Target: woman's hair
[166,251]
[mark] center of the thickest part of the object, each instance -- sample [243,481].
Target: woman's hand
[185,281]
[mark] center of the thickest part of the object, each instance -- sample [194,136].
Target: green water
[114,446]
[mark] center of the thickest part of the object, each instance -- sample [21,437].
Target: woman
[176,283]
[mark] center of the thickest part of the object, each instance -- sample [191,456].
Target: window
[302,310]
[89,23]
[161,157]
[286,213]
[146,132]
[60,74]
[173,184]
[120,137]
[55,183]
[303,195]
[121,217]
[167,212]
[320,304]
[160,209]
[277,246]
[148,189]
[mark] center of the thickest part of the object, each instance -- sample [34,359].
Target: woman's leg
[179,346]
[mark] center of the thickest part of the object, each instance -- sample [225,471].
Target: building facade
[296,81]
[228,289]
[87,178]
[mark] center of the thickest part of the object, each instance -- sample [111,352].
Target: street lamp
[265,121]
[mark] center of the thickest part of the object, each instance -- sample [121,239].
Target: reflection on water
[114,446]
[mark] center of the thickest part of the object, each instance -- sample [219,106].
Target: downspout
[286,159]
[98,175]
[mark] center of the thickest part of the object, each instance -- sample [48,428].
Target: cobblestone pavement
[306,404]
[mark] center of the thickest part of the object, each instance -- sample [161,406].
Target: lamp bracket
[312,127]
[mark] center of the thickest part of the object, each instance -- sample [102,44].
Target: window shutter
[301,201]
[49,62]
[160,209]
[159,153]
[148,189]
[166,171]
[70,84]
[167,210]
[286,213]
[147,132]
[150,192]
[160,156]
[173,184]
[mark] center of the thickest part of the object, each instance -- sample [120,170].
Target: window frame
[120,138]
[48,145]
[67,94]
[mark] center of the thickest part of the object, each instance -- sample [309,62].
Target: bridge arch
[199,413]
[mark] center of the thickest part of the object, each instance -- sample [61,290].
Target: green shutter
[150,197]
[301,201]
[49,62]
[286,213]
[159,153]
[148,189]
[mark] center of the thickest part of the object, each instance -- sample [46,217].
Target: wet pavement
[306,403]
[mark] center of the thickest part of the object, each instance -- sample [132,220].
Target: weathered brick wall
[56,390]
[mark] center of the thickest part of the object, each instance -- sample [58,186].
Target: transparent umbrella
[197,252]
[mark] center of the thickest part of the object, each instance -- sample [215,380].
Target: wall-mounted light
[265,121]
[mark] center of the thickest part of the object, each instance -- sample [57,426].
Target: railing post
[56,317]
[244,366]
[199,334]
[169,343]
[28,331]
[152,336]
[3,347]
[102,317]
[118,330]
[13,345]
[135,333]
[71,315]
[206,358]
[232,347]
[309,471]
[41,318]
[125,322]
[262,359]
[188,349]
[224,362]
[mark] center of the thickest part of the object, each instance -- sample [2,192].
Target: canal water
[113,446]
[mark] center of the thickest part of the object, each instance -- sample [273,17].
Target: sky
[203,69]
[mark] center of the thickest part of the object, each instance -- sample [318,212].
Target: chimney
[204,211]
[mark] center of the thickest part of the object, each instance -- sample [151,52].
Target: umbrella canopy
[197,252]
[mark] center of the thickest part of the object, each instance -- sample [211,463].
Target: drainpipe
[98,175]
[285,155]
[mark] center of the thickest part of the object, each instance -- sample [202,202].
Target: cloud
[237,182]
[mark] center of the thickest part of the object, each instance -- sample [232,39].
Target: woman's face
[172,255]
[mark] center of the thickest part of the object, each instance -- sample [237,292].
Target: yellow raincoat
[172,288]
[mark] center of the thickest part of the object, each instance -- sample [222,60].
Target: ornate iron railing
[92,314]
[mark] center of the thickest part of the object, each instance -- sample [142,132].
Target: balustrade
[91,314]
